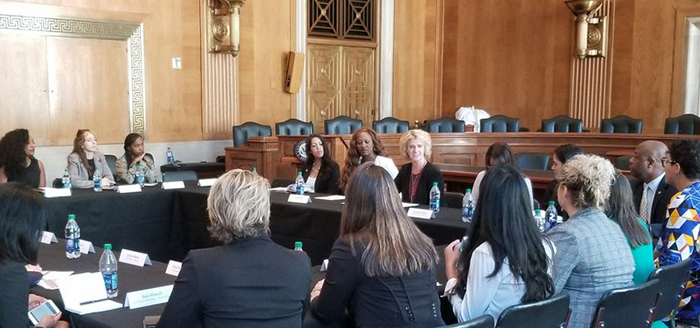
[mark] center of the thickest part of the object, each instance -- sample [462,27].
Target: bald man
[650,176]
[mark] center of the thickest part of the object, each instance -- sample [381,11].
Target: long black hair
[12,155]
[326,161]
[565,152]
[620,208]
[503,219]
[22,215]
[501,153]
[130,138]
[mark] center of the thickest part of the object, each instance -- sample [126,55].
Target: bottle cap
[551,202]
[298,244]
[538,211]
[299,173]
[108,247]
[469,191]
[434,183]
[255,169]
[71,216]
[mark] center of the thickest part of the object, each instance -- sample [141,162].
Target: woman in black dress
[17,162]
[320,171]
[416,178]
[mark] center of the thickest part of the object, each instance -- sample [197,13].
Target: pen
[93,301]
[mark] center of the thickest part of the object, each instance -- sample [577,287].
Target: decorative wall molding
[80,28]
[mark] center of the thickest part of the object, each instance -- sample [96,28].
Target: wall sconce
[591,32]
[223,26]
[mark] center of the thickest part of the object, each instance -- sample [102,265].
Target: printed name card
[173,268]
[125,189]
[324,265]
[299,199]
[86,247]
[148,297]
[206,182]
[56,192]
[48,238]
[420,213]
[134,258]
[173,185]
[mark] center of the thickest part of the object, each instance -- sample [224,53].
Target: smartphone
[46,308]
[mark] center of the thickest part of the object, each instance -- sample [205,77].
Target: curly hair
[419,135]
[588,179]
[686,152]
[352,160]
[12,155]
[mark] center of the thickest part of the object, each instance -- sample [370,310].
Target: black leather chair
[550,313]
[532,161]
[452,199]
[684,124]
[628,307]
[279,182]
[500,123]
[672,280]
[621,124]
[484,321]
[341,125]
[180,176]
[242,132]
[445,124]
[294,127]
[622,162]
[562,123]
[112,163]
[390,125]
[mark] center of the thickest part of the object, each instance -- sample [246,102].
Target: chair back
[452,199]
[672,280]
[532,161]
[111,162]
[621,124]
[390,125]
[341,125]
[484,321]
[180,176]
[500,123]
[627,307]
[684,124]
[445,124]
[553,312]
[279,182]
[242,132]
[294,127]
[562,123]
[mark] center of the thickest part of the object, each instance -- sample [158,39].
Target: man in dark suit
[651,192]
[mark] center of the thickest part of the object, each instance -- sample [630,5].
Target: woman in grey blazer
[592,252]
[85,160]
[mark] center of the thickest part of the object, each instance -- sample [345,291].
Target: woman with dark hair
[17,162]
[498,153]
[416,178]
[22,216]
[561,154]
[505,260]
[365,147]
[320,172]
[382,267]
[85,160]
[134,159]
[620,208]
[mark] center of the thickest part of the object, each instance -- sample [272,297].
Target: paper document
[278,189]
[332,197]
[408,204]
[85,293]
[48,281]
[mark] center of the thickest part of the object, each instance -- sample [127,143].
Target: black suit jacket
[247,283]
[430,174]
[663,195]
[326,184]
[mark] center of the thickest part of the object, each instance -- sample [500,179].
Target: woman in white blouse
[504,261]
[498,153]
[364,147]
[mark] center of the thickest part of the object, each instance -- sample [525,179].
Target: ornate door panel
[358,100]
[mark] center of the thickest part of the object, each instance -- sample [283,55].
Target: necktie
[643,206]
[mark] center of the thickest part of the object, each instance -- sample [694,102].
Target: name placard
[86,247]
[147,297]
[299,199]
[173,268]
[173,185]
[420,213]
[56,192]
[324,266]
[206,182]
[134,258]
[125,189]
[48,238]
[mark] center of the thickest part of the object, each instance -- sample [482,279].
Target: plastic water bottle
[97,178]
[66,179]
[467,207]
[108,268]
[170,156]
[72,238]
[551,215]
[299,184]
[254,170]
[140,179]
[434,203]
[541,220]
[298,246]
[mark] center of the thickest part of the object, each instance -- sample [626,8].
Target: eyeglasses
[665,160]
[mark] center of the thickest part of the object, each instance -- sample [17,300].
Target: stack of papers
[85,293]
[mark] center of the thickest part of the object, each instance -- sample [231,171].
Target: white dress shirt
[650,192]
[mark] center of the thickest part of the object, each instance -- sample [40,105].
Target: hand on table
[106,183]
[50,321]
[317,289]
[34,301]
[32,267]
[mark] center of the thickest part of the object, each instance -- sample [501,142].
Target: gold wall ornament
[591,32]
[223,27]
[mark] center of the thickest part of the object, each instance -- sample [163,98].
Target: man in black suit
[650,182]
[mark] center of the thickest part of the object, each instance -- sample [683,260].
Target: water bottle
[97,178]
[108,268]
[434,203]
[467,207]
[298,246]
[140,179]
[551,215]
[299,184]
[254,170]
[72,238]
[541,220]
[170,156]
[66,179]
